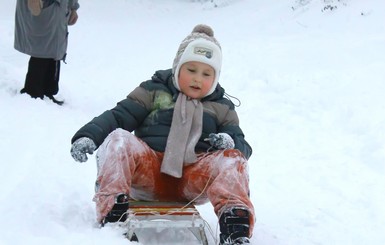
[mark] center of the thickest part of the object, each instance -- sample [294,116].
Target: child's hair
[200,46]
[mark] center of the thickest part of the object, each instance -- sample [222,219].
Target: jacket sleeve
[230,125]
[224,119]
[128,114]
[74,4]
[239,139]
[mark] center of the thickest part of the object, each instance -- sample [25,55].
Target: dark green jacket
[148,112]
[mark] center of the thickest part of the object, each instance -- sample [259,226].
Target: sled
[155,215]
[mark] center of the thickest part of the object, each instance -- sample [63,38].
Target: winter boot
[119,210]
[234,225]
[56,101]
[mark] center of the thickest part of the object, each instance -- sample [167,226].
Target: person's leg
[222,177]
[125,165]
[35,78]
[51,85]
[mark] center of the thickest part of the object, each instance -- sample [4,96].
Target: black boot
[234,226]
[119,210]
[54,100]
[24,91]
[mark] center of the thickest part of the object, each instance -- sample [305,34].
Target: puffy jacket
[45,35]
[148,111]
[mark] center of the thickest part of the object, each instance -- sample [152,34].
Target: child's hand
[81,147]
[221,141]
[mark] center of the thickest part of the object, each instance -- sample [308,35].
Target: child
[187,146]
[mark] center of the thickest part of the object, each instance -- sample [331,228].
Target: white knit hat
[200,46]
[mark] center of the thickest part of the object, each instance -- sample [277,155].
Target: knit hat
[200,46]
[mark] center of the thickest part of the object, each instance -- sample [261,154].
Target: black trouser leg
[34,80]
[42,77]
[51,86]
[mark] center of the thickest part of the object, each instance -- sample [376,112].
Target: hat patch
[204,51]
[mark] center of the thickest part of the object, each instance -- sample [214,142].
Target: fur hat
[199,46]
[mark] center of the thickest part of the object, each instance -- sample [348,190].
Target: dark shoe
[234,226]
[238,241]
[24,91]
[119,210]
[59,102]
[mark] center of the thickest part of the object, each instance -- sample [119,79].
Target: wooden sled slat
[162,208]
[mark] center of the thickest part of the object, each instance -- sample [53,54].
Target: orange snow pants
[128,165]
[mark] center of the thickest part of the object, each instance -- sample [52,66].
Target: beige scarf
[186,129]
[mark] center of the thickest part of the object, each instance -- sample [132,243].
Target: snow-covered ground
[311,81]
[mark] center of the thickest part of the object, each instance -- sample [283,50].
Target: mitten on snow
[221,141]
[81,147]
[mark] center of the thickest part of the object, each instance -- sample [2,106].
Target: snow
[311,83]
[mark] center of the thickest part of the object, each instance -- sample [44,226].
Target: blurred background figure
[41,31]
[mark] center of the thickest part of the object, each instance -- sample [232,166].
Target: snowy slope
[311,83]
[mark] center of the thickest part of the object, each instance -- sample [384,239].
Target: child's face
[196,79]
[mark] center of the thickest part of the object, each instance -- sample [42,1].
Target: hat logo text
[204,51]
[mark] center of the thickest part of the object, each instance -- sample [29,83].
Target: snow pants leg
[128,165]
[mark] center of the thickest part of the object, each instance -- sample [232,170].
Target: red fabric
[128,165]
